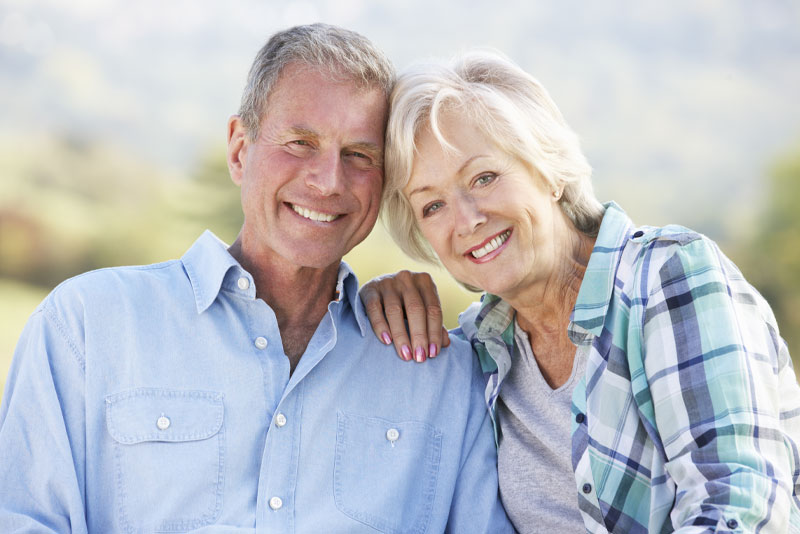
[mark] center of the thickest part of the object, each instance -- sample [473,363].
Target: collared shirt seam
[51,316]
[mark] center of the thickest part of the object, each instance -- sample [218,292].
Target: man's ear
[237,148]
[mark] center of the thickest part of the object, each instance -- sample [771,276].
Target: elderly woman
[636,381]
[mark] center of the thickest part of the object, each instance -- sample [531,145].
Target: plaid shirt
[688,416]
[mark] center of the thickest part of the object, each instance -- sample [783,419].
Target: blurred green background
[112,124]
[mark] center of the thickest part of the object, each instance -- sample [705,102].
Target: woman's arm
[404,308]
[722,393]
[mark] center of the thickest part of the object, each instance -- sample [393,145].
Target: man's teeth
[313,215]
[491,245]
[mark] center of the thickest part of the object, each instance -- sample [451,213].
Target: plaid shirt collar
[494,320]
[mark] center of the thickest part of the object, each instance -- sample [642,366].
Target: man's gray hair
[340,52]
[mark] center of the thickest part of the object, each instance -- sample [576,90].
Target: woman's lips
[490,248]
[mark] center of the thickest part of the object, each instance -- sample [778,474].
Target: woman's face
[494,223]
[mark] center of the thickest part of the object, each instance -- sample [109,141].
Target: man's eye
[432,208]
[359,155]
[301,142]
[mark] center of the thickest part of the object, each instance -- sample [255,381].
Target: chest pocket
[385,472]
[169,448]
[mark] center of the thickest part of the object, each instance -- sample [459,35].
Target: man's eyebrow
[302,132]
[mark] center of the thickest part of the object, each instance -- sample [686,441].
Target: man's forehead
[314,106]
[297,73]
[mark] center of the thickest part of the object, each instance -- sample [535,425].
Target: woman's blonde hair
[505,103]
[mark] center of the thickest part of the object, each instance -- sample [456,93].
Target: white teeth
[491,245]
[313,215]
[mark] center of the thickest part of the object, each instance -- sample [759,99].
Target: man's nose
[469,216]
[327,173]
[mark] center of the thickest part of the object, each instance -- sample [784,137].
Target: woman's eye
[485,178]
[432,208]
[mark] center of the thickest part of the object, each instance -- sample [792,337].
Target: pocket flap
[152,414]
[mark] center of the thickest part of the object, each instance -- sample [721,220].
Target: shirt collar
[208,264]
[495,317]
[347,291]
[597,286]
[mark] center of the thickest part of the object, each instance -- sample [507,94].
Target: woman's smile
[490,248]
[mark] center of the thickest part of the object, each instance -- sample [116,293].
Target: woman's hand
[392,301]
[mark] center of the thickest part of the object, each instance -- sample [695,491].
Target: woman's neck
[544,308]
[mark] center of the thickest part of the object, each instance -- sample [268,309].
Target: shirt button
[280,420]
[638,233]
[587,488]
[275,503]
[261,342]
[163,422]
[243,283]
[580,418]
[392,435]
[732,524]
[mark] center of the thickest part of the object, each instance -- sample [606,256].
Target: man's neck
[299,296]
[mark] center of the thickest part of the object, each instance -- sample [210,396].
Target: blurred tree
[771,262]
[213,201]
[68,206]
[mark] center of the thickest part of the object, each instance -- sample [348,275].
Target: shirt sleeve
[476,505]
[718,378]
[42,432]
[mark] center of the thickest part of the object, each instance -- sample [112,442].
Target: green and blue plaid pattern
[688,416]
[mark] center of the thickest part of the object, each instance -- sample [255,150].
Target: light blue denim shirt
[158,399]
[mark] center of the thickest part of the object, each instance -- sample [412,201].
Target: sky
[681,106]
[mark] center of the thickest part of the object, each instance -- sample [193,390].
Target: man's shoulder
[114,284]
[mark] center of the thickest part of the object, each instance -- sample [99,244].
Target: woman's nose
[468,215]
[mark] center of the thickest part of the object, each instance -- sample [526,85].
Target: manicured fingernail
[406,352]
[432,350]
[419,354]
[387,339]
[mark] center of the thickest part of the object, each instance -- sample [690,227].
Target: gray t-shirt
[537,484]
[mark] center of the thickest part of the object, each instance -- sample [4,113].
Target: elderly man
[235,390]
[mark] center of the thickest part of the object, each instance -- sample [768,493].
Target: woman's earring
[557,194]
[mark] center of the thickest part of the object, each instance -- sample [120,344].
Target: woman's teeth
[491,245]
[313,215]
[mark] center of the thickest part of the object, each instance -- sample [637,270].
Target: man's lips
[313,215]
[489,248]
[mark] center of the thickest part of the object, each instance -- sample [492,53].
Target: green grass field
[17,302]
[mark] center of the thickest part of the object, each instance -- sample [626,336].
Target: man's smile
[313,215]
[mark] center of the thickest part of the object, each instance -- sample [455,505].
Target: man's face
[311,181]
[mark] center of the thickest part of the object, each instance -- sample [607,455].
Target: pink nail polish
[387,339]
[432,350]
[419,354]
[406,352]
